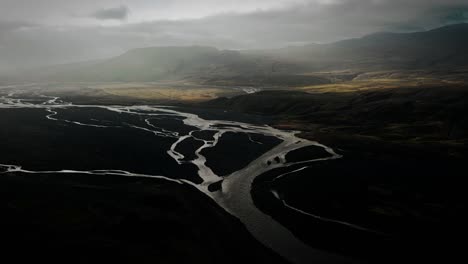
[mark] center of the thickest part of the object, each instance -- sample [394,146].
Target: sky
[47,32]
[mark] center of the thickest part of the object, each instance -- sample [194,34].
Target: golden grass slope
[170,92]
[384,80]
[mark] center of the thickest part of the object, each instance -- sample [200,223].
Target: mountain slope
[445,47]
[157,63]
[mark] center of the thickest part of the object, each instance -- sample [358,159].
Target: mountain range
[443,48]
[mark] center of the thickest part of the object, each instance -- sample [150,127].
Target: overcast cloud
[40,32]
[113,13]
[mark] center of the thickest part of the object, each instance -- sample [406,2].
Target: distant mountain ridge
[442,48]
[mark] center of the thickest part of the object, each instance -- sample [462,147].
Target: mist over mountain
[150,64]
[439,49]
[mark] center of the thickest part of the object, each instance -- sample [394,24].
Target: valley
[344,152]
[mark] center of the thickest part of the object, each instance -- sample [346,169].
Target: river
[234,195]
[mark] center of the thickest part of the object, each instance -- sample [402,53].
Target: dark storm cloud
[299,23]
[115,13]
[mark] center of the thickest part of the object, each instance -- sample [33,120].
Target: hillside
[168,63]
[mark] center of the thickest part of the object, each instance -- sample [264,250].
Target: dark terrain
[83,219]
[401,175]
[80,218]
